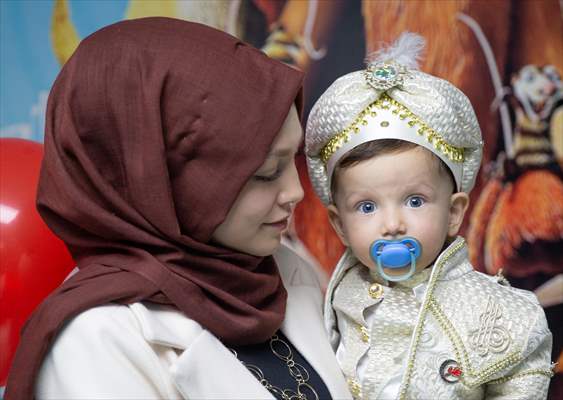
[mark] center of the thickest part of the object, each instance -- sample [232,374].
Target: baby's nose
[393,224]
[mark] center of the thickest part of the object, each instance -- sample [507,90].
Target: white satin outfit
[449,332]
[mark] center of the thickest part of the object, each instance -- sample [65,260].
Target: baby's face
[392,196]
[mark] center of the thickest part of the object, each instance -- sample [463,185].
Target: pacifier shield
[395,253]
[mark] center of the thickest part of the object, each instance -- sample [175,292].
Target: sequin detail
[384,102]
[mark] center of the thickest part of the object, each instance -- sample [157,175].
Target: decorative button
[450,371]
[375,290]
[364,332]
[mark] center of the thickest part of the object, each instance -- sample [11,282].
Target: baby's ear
[336,222]
[458,206]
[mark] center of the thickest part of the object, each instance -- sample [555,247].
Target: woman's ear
[336,222]
[458,206]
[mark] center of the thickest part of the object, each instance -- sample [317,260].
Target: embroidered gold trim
[546,372]
[476,378]
[384,102]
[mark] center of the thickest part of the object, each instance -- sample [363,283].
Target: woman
[169,174]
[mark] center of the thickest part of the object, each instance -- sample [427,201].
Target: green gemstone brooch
[385,75]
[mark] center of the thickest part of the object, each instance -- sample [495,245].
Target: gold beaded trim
[547,372]
[364,333]
[355,388]
[384,102]
[424,310]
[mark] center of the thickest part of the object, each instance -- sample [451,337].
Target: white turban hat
[391,99]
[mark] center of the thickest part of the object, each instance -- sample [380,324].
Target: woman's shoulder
[105,349]
[102,319]
[132,323]
[97,330]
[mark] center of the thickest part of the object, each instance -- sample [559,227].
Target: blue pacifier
[395,254]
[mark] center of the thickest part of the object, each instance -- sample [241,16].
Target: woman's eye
[268,178]
[415,201]
[366,207]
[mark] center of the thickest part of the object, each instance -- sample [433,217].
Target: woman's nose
[393,223]
[291,191]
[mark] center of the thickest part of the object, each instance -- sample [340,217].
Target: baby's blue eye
[366,207]
[415,201]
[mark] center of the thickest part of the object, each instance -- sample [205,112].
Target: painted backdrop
[505,55]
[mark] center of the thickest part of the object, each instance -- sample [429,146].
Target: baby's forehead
[432,161]
[426,160]
[426,165]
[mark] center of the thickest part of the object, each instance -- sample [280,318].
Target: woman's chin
[266,247]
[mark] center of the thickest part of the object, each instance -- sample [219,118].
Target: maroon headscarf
[153,127]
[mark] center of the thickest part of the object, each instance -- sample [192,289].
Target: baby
[393,153]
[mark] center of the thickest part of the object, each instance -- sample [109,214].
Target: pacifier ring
[395,254]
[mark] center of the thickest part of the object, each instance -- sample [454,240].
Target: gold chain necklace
[298,372]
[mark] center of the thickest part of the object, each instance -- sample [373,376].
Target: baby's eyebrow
[357,194]
[418,185]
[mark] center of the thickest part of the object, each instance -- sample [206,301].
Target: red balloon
[33,261]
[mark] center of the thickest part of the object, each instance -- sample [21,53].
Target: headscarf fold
[153,127]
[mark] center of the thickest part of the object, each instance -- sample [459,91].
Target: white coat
[147,351]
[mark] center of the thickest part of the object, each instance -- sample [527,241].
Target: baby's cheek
[360,248]
[360,233]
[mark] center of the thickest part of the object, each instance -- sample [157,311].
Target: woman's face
[261,212]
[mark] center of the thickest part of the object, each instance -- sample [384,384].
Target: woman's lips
[281,224]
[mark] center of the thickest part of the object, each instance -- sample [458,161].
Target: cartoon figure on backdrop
[517,223]
[219,14]
[393,153]
[516,227]
[294,27]
[171,177]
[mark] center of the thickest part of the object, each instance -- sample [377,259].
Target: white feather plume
[406,50]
